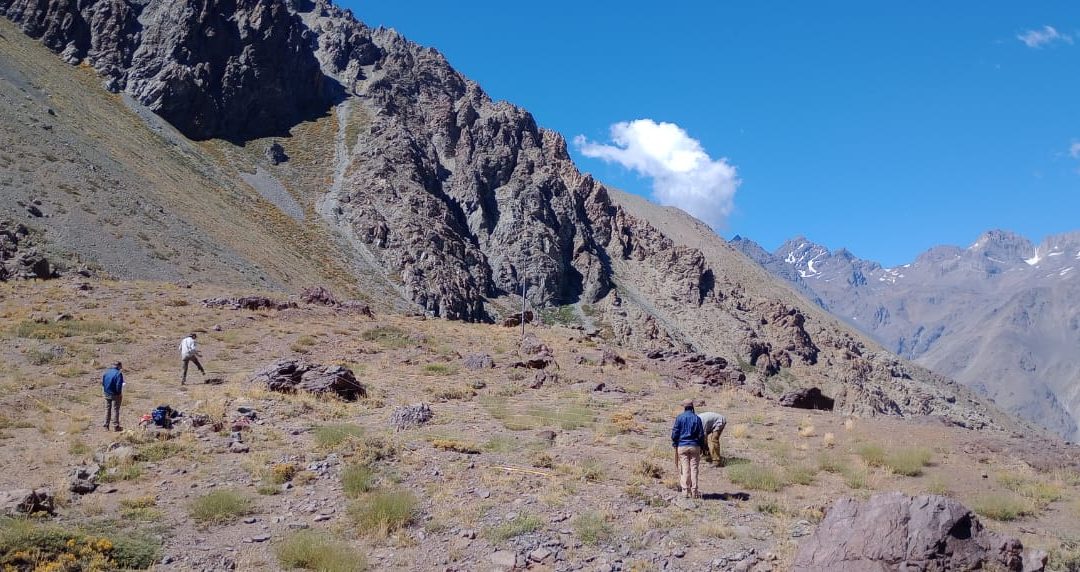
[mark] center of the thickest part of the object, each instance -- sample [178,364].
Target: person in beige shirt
[714,424]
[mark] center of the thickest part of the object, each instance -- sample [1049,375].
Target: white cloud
[1043,37]
[682,173]
[1074,150]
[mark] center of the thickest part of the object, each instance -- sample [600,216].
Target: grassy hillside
[483,475]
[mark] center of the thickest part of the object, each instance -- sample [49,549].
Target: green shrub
[523,524]
[158,451]
[1040,493]
[873,454]
[456,446]
[1002,506]
[500,444]
[383,512]
[591,528]
[6,423]
[388,337]
[25,545]
[592,469]
[769,507]
[937,486]
[831,463]
[562,315]
[37,356]
[648,469]
[568,418]
[220,507]
[334,436]
[756,477]
[78,448]
[1065,557]
[801,475]
[311,550]
[135,550]
[439,369]
[357,480]
[66,329]
[855,477]
[125,472]
[909,462]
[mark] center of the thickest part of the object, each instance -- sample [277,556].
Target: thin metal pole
[524,282]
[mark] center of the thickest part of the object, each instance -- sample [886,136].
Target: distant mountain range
[1001,316]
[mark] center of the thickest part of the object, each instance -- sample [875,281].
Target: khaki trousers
[713,440]
[689,460]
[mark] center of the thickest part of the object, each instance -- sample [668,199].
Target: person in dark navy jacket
[688,439]
[113,385]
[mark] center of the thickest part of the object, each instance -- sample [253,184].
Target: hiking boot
[118,428]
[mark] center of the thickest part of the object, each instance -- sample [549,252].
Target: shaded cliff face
[230,69]
[458,201]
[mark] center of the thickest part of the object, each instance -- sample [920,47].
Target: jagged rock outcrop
[892,531]
[231,69]
[19,259]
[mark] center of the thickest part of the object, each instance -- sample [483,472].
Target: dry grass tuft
[311,550]
[383,512]
[648,469]
[1002,506]
[456,446]
[756,477]
[220,507]
[591,528]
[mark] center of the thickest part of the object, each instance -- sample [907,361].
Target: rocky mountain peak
[1002,247]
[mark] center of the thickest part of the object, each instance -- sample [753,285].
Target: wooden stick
[529,471]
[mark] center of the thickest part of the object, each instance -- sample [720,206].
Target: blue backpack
[162,416]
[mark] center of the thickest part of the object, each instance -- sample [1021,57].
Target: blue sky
[883,127]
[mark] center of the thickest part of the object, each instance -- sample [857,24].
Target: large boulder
[807,398]
[892,531]
[411,416]
[319,296]
[26,501]
[83,479]
[291,374]
[477,361]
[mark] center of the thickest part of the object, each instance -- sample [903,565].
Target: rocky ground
[563,468]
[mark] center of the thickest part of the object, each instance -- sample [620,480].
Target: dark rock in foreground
[893,531]
[807,398]
[21,502]
[291,375]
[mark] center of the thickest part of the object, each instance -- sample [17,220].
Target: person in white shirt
[189,352]
[714,424]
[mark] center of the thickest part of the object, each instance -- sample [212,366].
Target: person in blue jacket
[688,439]
[113,385]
